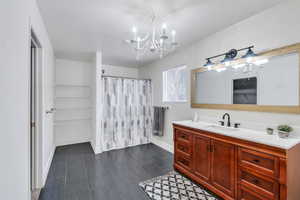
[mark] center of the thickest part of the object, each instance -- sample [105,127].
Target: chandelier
[158,41]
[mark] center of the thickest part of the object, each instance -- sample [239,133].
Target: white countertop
[246,134]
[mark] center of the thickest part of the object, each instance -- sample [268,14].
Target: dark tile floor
[77,174]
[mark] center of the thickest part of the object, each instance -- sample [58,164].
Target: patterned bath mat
[174,186]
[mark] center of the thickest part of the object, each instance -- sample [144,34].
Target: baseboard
[63,143]
[162,144]
[48,165]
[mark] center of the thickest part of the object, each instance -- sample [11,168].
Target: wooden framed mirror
[270,82]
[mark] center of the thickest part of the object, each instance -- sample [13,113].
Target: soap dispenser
[196,117]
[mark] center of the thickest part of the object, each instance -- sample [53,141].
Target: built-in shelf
[71,109]
[66,85]
[68,121]
[88,97]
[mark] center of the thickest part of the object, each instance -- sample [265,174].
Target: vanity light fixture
[208,64]
[230,56]
[249,53]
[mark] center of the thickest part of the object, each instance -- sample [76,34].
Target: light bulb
[164,28]
[227,63]
[221,69]
[239,66]
[261,62]
[173,36]
[134,29]
[138,42]
[249,59]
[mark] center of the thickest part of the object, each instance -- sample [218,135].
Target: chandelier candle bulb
[153,35]
[173,36]
[138,42]
[134,31]
[161,41]
[164,29]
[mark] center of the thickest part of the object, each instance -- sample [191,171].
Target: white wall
[15,18]
[96,101]
[120,71]
[273,28]
[73,102]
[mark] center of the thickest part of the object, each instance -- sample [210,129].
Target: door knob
[52,110]
[49,111]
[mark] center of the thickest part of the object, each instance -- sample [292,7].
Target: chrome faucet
[228,119]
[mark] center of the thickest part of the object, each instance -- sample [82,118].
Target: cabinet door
[223,167]
[201,157]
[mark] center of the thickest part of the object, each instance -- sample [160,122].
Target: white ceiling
[78,28]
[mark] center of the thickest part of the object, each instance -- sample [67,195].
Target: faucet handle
[237,125]
[222,123]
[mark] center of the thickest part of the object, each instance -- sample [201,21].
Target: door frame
[38,137]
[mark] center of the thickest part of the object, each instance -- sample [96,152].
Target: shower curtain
[126,112]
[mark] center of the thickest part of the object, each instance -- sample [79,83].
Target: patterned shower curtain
[127,113]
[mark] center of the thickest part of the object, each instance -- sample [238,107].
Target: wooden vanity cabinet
[201,157]
[237,169]
[223,167]
[212,161]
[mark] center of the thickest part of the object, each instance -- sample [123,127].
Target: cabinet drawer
[267,187]
[262,163]
[245,194]
[183,160]
[182,135]
[182,146]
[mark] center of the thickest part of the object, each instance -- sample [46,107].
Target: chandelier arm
[143,51]
[145,38]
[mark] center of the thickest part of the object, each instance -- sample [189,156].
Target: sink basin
[223,128]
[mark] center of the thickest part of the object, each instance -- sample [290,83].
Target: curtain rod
[122,77]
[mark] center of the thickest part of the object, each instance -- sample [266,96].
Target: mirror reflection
[275,82]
